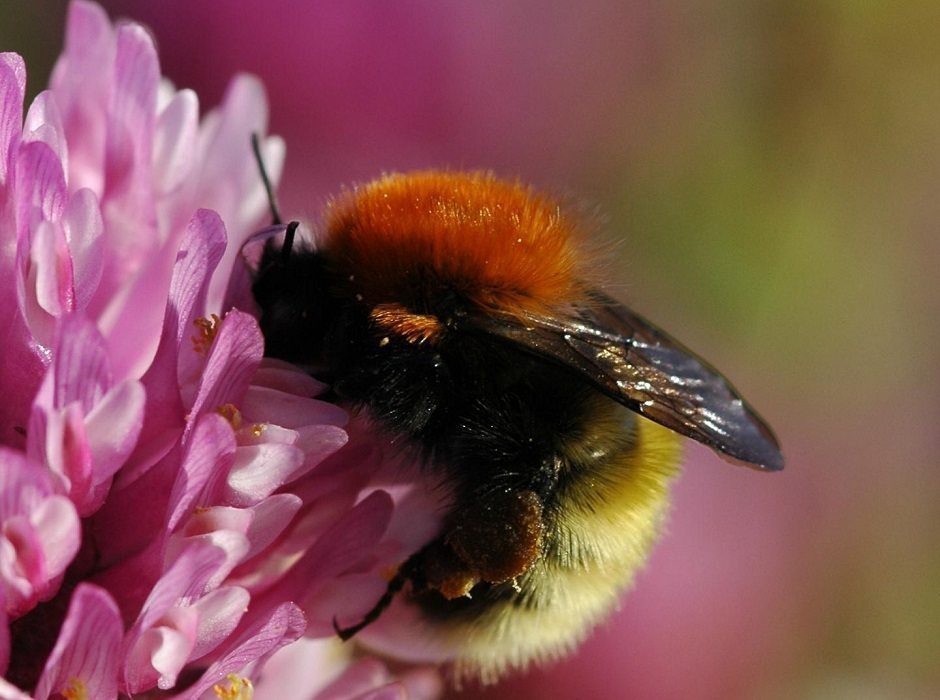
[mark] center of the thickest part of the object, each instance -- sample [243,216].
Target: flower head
[172,513]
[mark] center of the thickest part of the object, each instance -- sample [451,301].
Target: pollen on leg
[206,329]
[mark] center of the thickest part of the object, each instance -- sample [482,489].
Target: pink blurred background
[771,170]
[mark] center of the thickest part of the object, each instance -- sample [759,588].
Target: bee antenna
[288,240]
[272,200]
[394,586]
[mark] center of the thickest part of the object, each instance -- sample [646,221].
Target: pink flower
[39,535]
[172,514]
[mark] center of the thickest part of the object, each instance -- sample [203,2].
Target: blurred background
[771,171]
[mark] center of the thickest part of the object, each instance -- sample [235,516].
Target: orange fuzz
[497,243]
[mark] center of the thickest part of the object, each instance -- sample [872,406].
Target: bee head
[291,292]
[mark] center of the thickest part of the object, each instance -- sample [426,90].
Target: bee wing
[642,367]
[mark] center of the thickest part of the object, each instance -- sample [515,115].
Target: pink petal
[208,520]
[45,293]
[423,683]
[66,452]
[81,365]
[40,184]
[228,177]
[39,533]
[43,123]
[23,486]
[87,648]
[11,692]
[261,525]
[128,145]
[345,598]
[81,81]
[318,442]
[209,450]
[21,565]
[300,670]
[21,373]
[232,543]
[259,470]
[358,678]
[263,405]
[165,631]
[159,653]
[12,90]
[346,545]
[4,638]
[169,654]
[199,253]
[219,613]
[83,231]
[238,293]
[392,691]
[175,141]
[136,316]
[59,531]
[185,581]
[275,374]
[225,146]
[233,359]
[52,263]
[113,426]
[270,518]
[255,644]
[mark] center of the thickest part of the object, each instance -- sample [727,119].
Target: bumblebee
[457,311]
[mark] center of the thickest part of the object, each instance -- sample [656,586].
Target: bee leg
[394,586]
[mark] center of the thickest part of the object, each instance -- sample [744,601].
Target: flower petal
[83,231]
[11,692]
[233,360]
[4,638]
[113,426]
[40,184]
[12,90]
[128,145]
[255,644]
[259,470]
[88,646]
[81,81]
[264,405]
[270,518]
[81,372]
[358,678]
[210,450]
[159,653]
[59,531]
[198,254]
[219,613]
[43,123]
[174,141]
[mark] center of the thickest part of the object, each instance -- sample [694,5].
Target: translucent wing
[642,367]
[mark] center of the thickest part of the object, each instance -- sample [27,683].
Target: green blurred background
[772,168]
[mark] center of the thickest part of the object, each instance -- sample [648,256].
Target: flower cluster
[172,513]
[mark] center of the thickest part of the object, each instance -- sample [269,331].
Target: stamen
[230,413]
[75,689]
[238,689]
[206,330]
